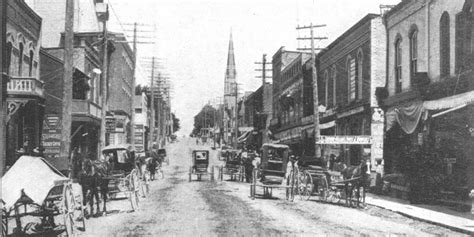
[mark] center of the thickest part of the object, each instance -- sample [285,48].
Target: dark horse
[358,175]
[93,179]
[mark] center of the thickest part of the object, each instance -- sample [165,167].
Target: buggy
[34,191]
[233,165]
[200,165]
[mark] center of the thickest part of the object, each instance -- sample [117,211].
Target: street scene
[237,118]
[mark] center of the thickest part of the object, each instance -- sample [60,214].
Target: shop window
[398,65]
[444,49]
[351,79]
[413,53]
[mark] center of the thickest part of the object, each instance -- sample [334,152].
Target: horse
[358,174]
[93,181]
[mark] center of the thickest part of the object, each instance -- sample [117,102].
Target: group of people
[152,162]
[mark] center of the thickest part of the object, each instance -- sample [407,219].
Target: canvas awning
[33,176]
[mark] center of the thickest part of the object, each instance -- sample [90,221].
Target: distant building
[142,119]
[25,93]
[230,97]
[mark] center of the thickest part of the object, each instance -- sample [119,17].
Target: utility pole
[152,107]
[264,63]
[3,85]
[105,85]
[64,152]
[314,73]
[264,69]
[132,119]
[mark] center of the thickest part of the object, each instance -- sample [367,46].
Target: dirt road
[177,207]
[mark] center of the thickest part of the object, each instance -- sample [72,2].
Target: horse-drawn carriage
[276,171]
[34,191]
[233,165]
[347,183]
[200,165]
[123,176]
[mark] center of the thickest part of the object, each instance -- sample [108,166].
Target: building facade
[25,93]
[350,70]
[142,120]
[287,98]
[429,96]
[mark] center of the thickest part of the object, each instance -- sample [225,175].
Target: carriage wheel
[132,191]
[80,208]
[4,223]
[68,209]
[323,188]
[305,187]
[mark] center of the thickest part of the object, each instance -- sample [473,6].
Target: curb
[454,228]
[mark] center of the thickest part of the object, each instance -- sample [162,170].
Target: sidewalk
[443,216]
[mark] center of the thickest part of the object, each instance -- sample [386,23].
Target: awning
[450,102]
[244,137]
[245,129]
[322,126]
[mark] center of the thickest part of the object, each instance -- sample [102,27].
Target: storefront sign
[367,140]
[110,124]
[51,137]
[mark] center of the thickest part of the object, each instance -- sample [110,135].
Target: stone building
[25,93]
[429,96]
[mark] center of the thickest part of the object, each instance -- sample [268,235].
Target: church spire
[231,72]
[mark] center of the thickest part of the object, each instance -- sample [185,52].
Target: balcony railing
[25,86]
[86,107]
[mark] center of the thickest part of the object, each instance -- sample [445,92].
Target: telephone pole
[267,114]
[152,107]
[264,69]
[314,73]
[3,85]
[105,85]
[132,116]
[66,122]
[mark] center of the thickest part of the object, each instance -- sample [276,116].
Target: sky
[192,37]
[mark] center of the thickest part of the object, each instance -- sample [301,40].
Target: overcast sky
[192,38]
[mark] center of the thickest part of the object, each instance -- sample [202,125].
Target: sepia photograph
[237,118]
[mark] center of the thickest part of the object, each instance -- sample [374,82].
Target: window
[444,48]
[351,76]
[9,57]
[138,111]
[20,59]
[30,70]
[334,102]
[413,54]
[398,65]
[325,88]
[359,78]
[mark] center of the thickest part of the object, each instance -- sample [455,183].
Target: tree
[176,125]
[204,119]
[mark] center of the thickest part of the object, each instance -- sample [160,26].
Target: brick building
[429,96]
[25,94]
[350,70]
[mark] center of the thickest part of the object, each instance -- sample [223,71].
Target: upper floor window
[464,44]
[413,53]
[20,60]
[444,47]
[334,86]
[30,69]
[351,76]
[325,88]
[398,65]
[360,59]
[9,57]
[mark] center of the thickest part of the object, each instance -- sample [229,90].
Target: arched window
[9,57]
[444,48]
[398,65]
[30,70]
[359,79]
[351,79]
[20,60]
[413,53]
[325,88]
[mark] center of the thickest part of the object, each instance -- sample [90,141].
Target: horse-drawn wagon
[200,165]
[276,171]
[123,175]
[233,165]
[34,191]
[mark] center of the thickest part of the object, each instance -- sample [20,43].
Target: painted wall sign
[51,137]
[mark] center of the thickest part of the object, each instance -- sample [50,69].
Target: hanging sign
[361,140]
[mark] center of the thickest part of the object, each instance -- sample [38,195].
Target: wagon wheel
[190,172]
[80,210]
[68,209]
[290,185]
[4,223]
[132,190]
[305,187]
[323,188]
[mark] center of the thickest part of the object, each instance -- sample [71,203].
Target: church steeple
[231,72]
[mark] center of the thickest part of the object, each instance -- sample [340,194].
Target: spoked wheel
[305,187]
[132,190]
[4,223]
[79,211]
[68,209]
[323,189]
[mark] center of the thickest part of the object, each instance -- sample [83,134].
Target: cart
[124,176]
[200,165]
[330,186]
[34,191]
[233,165]
[275,171]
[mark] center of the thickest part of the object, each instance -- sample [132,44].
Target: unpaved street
[177,207]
